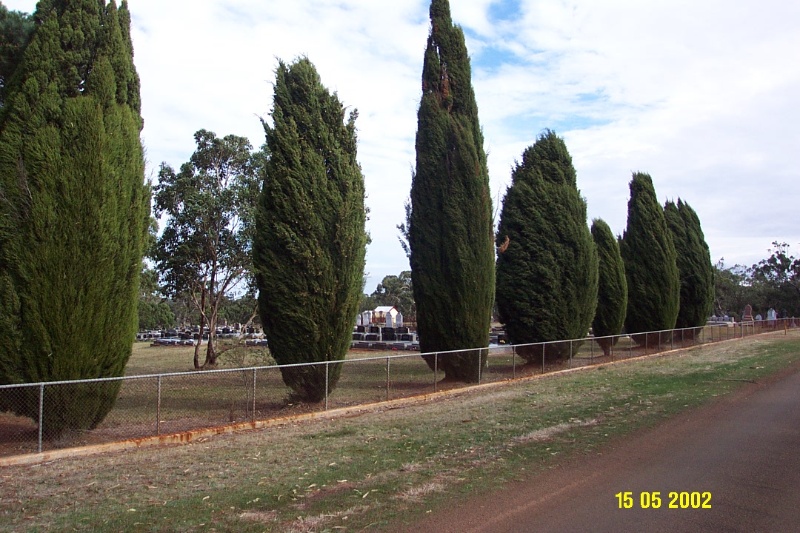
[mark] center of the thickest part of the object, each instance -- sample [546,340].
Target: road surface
[744,450]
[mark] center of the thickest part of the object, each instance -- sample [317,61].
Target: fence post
[480,363]
[570,353]
[158,406]
[543,358]
[253,418]
[387,378]
[513,361]
[327,367]
[435,370]
[41,415]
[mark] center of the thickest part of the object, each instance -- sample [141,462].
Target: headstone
[747,314]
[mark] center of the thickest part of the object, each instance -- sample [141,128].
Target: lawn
[164,395]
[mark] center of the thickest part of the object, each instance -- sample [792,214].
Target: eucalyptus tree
[204,252]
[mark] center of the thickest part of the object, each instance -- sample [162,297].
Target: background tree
[397,291]
[74,208]
[733,290]
[650,264]
[450,229]
[547,262]
[778,277]
[694,265]
[204,252]
[612,287]
[310,245]
[15,32]
[242,310]
[154,311]
[367,303]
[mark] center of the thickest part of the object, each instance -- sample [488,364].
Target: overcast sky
[701,94]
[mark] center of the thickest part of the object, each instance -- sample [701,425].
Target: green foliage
[547,264]
[778,277]
[694,265]
[774,282]
[154,311]
[242,310]
[310,244]
[15,32]
[367,303]
[397,291]
[205,250]
[449,224]
[612,287]
[733,290]
[74,212]
[650,263]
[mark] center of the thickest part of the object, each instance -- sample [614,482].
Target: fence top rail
[343,361]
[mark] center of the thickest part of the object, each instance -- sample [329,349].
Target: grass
[382,470]
[149,406]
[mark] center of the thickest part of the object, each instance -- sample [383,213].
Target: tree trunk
[211,354]
[202,325]
[249,320]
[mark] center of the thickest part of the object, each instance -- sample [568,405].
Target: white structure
[387,315]
[364,319]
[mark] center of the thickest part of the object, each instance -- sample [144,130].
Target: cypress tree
[650,264]
[694,265]
[450,229]
[74,212]
[612,288]
[310,242]
[547,265]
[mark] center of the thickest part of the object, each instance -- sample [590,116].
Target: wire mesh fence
[161,404]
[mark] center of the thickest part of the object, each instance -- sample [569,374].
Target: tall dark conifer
[74,211]
[694,265]
[547,263]
[450,229]
[310,242]
[612,287]
[650,264]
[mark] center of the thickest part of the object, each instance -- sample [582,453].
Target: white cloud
[702,95]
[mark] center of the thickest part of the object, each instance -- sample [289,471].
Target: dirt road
[744,450]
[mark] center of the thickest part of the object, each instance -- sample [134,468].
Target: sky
[700,94]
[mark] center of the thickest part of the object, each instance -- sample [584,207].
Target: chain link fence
[152,405]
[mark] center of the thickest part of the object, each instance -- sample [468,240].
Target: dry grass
[377,468]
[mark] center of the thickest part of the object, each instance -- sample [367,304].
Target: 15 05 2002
[673,500]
